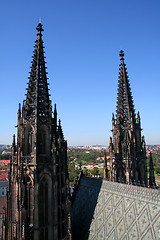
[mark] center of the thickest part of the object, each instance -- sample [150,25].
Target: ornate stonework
[38,203]
[127,149]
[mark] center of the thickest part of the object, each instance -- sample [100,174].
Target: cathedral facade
[38,203]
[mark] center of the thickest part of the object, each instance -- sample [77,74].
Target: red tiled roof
[6,162]
[3,175]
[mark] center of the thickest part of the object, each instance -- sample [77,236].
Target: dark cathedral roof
[109,210]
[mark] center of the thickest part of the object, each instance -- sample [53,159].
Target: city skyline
[82,43]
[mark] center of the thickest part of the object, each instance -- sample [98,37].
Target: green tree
[95,171]
[157,170]
[86,172]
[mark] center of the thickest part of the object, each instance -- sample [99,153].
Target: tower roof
[125,107]
[37,101]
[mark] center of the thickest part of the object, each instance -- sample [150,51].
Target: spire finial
[39,29]
[121,54]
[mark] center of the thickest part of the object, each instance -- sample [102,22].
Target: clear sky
[82,40]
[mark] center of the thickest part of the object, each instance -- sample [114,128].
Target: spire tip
[39,28]
[121,54]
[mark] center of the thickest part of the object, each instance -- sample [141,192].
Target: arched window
[46,202]
[42,143]
[42,140]
[43,202]
[31,203]
[29,142]
[27,197]
[40,204]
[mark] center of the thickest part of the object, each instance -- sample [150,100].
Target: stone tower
[38,197]
[127,149]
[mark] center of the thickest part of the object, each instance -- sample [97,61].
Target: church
[127,150]
[39,203]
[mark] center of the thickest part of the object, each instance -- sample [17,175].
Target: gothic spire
[125,108]
[152,182]
[105,167]
[37,98]
[60,132]
[14,146]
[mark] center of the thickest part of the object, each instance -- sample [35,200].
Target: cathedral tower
[38,198]
[127,149]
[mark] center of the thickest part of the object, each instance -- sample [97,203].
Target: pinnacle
[39,29]
[121,54]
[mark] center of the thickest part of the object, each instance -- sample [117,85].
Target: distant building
[3,175]
[3,188]
[5,162]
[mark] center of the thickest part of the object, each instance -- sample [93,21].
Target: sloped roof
[3,175]
[108,210]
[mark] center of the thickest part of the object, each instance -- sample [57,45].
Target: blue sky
[82,41]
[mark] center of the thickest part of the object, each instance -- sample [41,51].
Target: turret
[14,146]
[132,123]
[113,121]
[110,145]
[19,111]
[105,167]
[138,119]
[152,183]
[60,132]
[55,114]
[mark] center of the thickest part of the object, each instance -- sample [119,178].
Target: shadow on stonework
[83,207]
